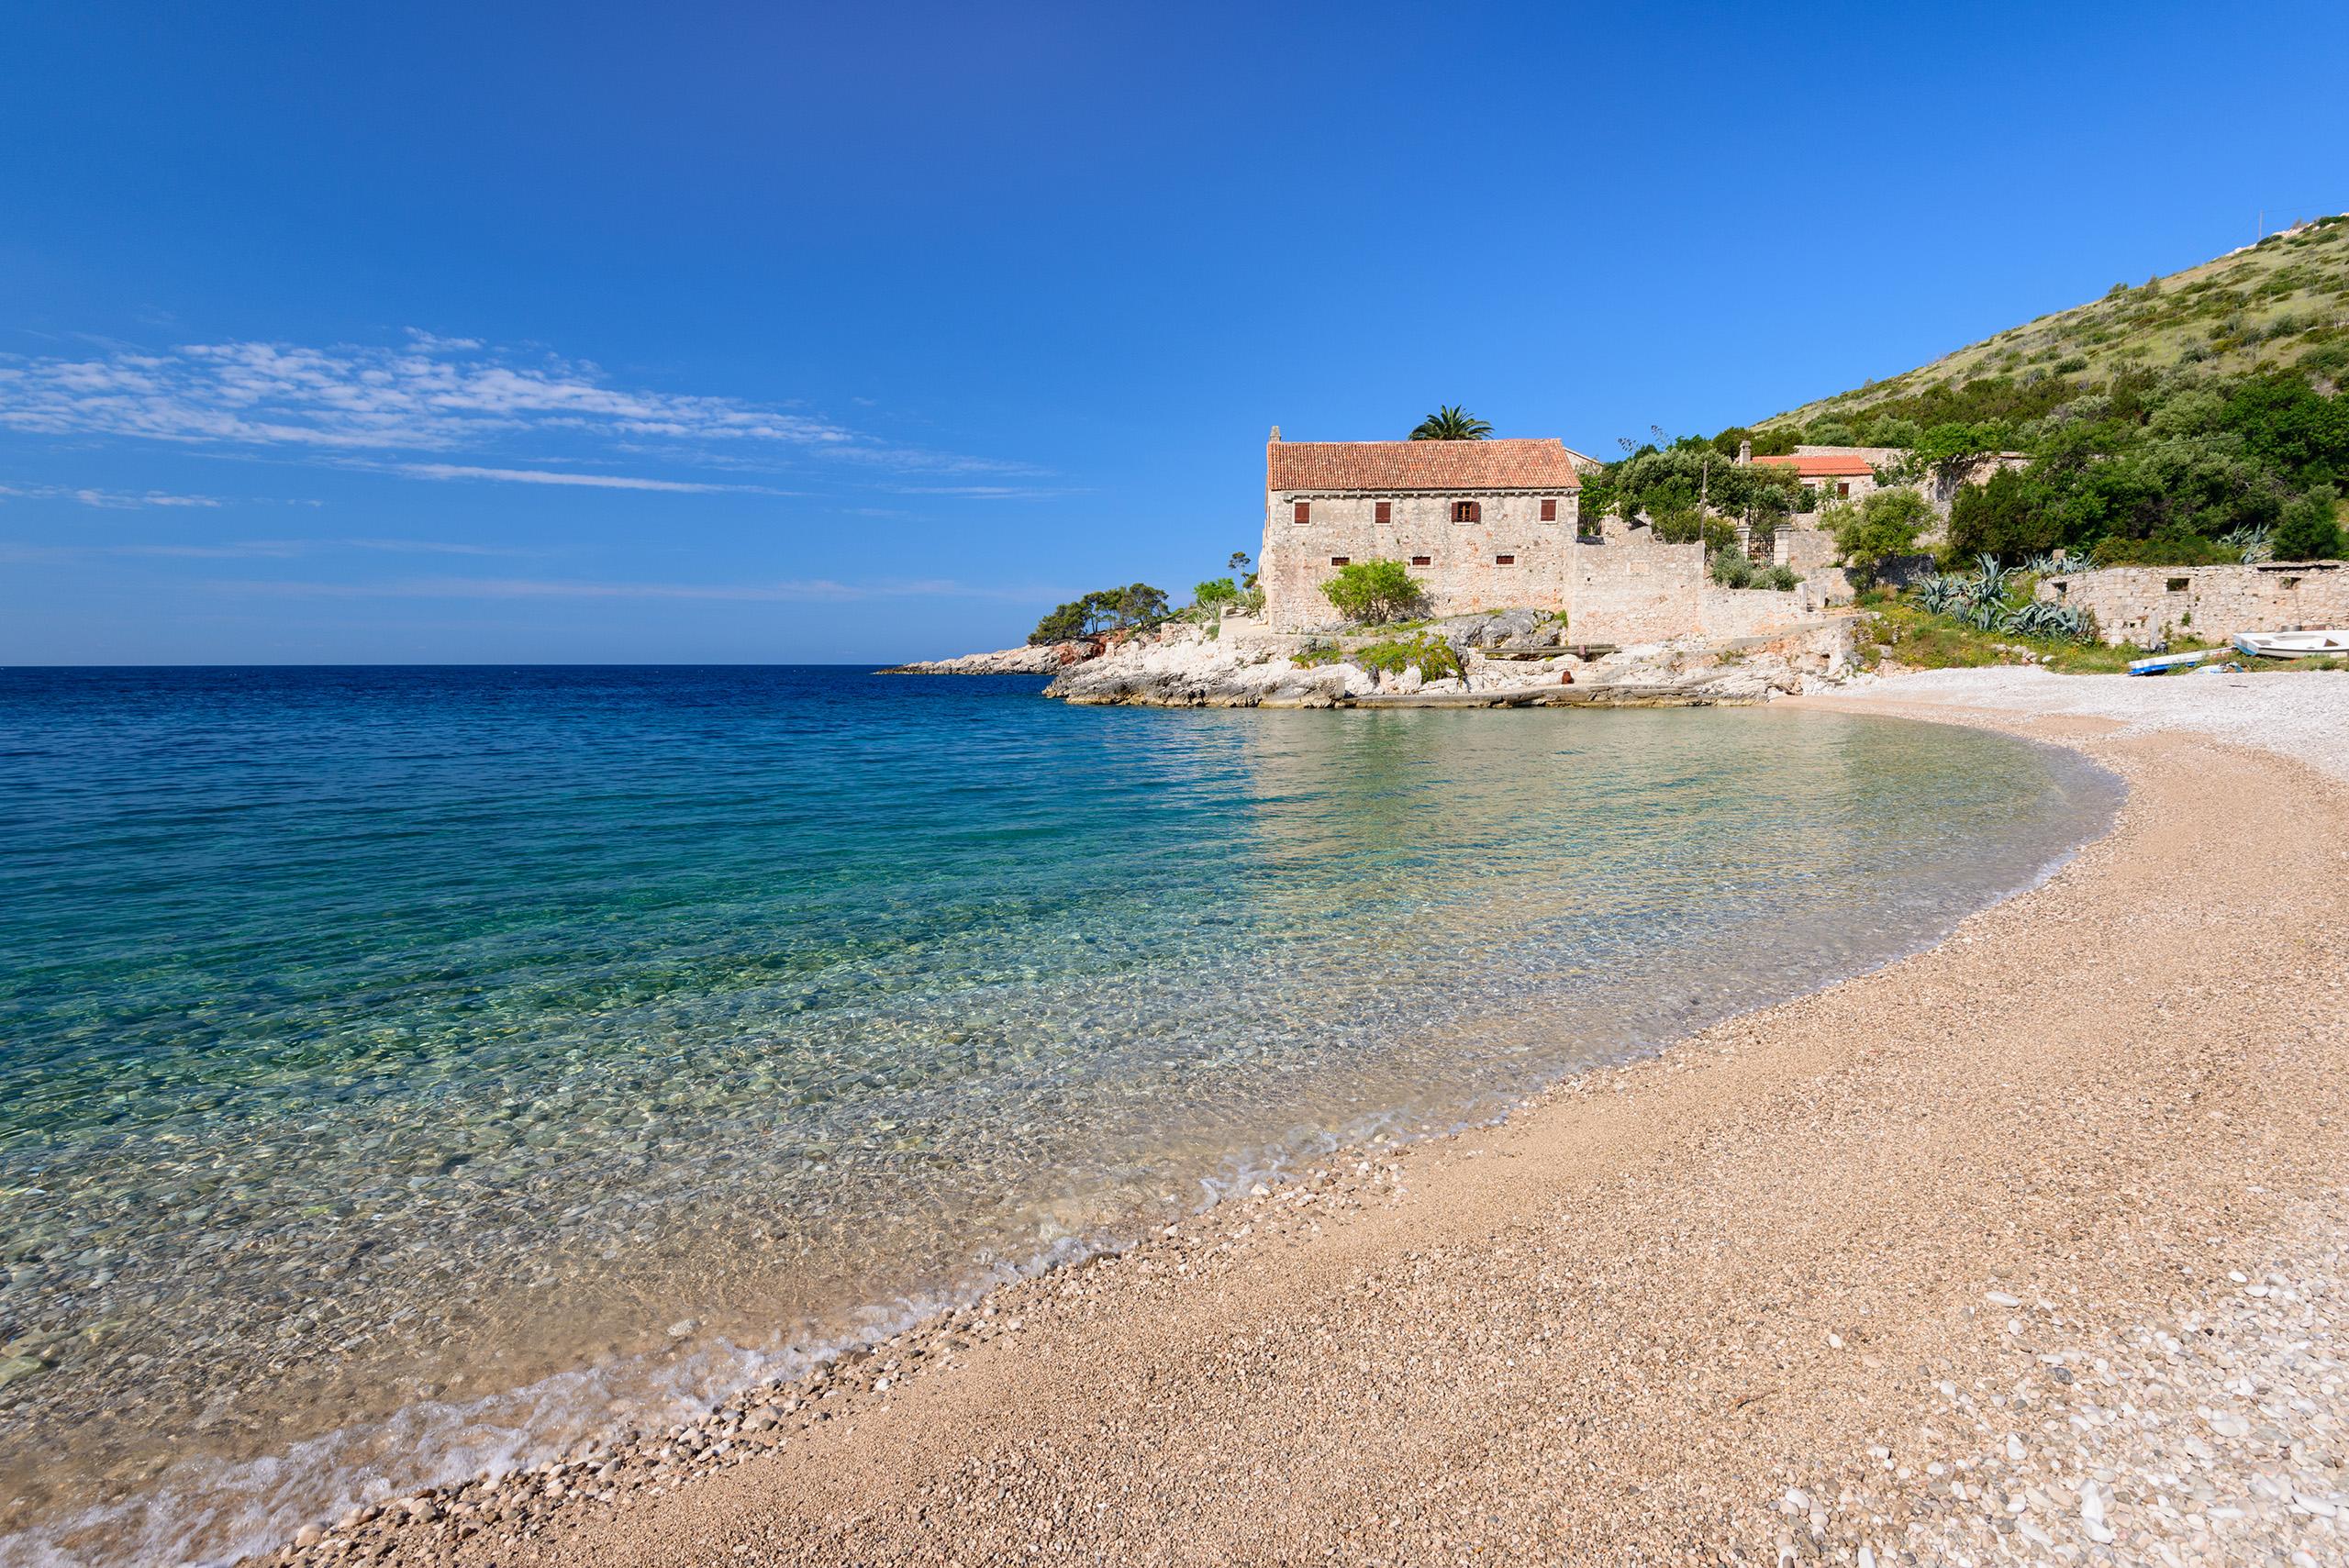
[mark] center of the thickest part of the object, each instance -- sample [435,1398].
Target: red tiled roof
[1521,464]
[1821,467]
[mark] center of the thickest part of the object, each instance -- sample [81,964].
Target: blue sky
[463,333]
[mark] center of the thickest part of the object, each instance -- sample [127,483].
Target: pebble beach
[2025,1248]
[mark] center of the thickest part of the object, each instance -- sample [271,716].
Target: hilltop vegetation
[2280,306]
[2193,419]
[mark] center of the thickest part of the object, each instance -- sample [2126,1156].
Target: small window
[1842,487]
[2179,584]
[1549,511]
[1305,511]
[1504,561]
[1467,512]
[1342,561]
[1383,511]
[1423,560]
[2291,582]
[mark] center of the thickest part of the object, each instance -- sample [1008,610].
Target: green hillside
[2275,306]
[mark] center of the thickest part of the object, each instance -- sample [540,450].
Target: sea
[411,1072]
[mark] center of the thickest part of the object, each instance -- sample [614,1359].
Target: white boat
[2161,661]
[2292,644]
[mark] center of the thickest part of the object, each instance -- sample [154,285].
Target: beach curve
[1655,1308]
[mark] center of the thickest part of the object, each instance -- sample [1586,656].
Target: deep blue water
[410,1070]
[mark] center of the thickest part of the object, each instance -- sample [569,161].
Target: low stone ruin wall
[1749,612]
[2142,605]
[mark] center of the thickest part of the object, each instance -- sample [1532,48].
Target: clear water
[411,1071]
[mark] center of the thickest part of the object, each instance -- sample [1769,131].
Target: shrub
[2164,550]
[2007,515]
[1884,526]
[1435,658]
[1373,591]
[2308,533]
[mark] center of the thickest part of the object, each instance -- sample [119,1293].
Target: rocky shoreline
[1506,659]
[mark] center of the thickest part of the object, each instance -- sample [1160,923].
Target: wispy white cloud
[789,591]
[428,394]
[986,492]
[111,500]
[239,549]
[563,476]
[236,549]
[431,547]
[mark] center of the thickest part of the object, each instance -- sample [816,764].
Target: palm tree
[1451,423]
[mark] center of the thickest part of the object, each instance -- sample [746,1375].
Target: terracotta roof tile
[1813,467]
[1515,464]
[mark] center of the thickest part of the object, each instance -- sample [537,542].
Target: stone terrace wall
[1749,612]
[1629,588]
[2146,603]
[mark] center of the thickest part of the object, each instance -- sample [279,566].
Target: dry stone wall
[2142,605]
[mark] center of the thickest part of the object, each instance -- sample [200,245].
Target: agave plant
[2252,543]
[2041,618]
[2046,563]
[1991,586]
[1940,594]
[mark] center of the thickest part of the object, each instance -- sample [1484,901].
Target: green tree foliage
[1880,529]
[2141,467]
[2310,531]
[1373,591]
[1214,594]
[2008,515]
[1667,484]
[1451,423]
[1131,608]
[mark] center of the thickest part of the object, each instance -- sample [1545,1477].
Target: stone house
[1838,474]
[1486,524]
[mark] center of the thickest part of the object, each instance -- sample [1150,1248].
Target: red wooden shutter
[1423,560]
[1384,511]
[1305,511]
[1340,559]
[1549,511]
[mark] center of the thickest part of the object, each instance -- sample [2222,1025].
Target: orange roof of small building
[1817,467]
[1538,464]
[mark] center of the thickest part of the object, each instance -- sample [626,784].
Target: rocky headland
[1504,658]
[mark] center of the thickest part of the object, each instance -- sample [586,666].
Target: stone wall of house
[1464,569]
[2142,605]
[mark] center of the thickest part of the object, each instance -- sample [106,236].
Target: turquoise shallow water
[413,1071]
